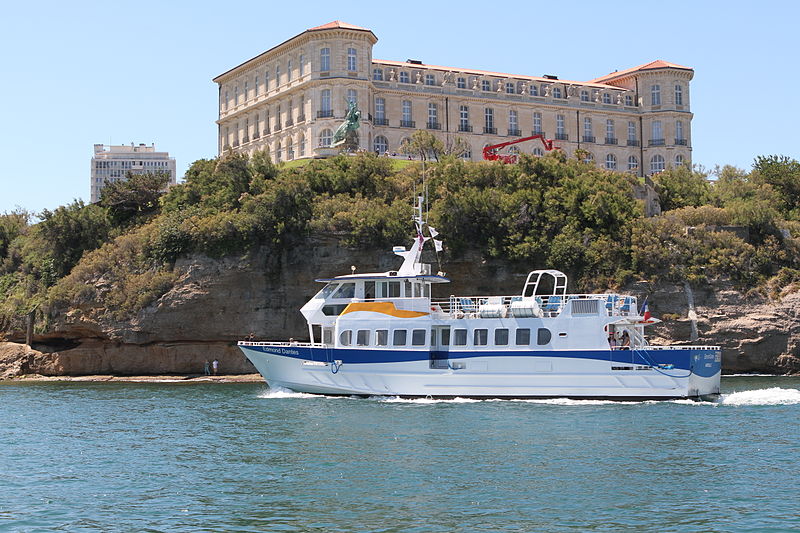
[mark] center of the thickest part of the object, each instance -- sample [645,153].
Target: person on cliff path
[215,366]
[207,368]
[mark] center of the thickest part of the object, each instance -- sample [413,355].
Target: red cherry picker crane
[490,152]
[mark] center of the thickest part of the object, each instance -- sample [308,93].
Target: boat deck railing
[547,306]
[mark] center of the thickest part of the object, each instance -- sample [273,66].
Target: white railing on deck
[613,304]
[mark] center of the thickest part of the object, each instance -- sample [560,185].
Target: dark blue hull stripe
[702,362]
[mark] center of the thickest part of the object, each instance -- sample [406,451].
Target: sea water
[242,457]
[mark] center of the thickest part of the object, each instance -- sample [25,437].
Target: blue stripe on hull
[702,362]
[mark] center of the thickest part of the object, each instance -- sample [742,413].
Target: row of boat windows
[419,337]
[379,289]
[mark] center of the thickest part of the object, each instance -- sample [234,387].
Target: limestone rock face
[216,302]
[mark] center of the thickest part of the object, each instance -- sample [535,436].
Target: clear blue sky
[79,73]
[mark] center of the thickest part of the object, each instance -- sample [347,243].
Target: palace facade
[291,98]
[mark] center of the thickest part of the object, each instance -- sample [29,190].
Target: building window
[352,96]
[325,101]
[486,85]
[288,71]
[606,98]
[631,130]
[587,130]
[488,114]
[278,152]
[225,101]
[256,86]
[633,163]
[406,107]
[655,94]
[325,137]
[246,91]
[381,144]
[538,152]
[611,162]
[534,89]
[628,100]
[325,59]
[302,144]
[513,124]
[433,116]
[657,136]
[377,74]
[404,77]
[678,132]
[537,122]
[289,150]
[302,65]
[560,129]
[236,95]
[611,137]
[430,79]
[351,60]
[380,109]
[461,83]
[463,112]
[657,164]
[584,95]
[678,94]
[678,160]
[266,81]
[556,92]
[510,88]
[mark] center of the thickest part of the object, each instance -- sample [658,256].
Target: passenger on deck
[612,341]
[626,340]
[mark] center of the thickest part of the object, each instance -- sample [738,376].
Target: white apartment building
[111,164]
[290,99]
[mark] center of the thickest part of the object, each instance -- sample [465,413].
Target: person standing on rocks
[207,368]
[215,366]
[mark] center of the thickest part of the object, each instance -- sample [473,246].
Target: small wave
[772,396]
[280,392]
[397,399]
[570,402]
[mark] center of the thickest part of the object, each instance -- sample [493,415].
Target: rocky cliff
[218,301]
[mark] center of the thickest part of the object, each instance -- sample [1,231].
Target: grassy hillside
[541,212]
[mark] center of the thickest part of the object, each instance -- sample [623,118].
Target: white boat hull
[587,374]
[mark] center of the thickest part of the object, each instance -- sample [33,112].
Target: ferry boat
[386,334]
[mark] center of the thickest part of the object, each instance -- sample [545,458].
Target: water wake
[772,396]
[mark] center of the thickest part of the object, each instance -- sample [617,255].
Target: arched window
[678,160]
[538,152]
[302,144]
[611,162]
[466,154]
[588,158]
[381,144]
[289,149]
[325,137]
[278,152]
[657,164]
[633,163]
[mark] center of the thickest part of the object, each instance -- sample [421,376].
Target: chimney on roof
[550,77]
[414,61]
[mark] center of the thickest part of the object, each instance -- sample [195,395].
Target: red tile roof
[338,24]
[653,65]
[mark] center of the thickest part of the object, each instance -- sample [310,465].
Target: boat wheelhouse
[386,334]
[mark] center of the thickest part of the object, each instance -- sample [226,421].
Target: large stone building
[112,163]
[290,99]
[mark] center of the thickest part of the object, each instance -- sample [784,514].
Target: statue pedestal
[325,151]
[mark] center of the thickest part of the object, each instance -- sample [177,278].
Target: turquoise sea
[241,457]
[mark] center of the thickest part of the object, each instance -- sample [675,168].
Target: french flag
[645,312]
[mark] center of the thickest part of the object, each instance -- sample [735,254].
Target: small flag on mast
[437,245]
[645,312]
